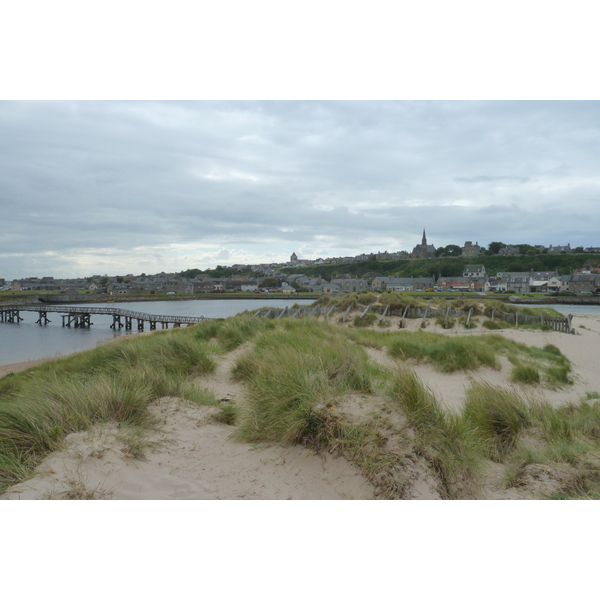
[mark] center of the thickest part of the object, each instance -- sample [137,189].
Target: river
[29,341]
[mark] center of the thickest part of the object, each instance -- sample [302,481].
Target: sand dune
[194,457]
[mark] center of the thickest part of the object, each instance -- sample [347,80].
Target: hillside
[453,267]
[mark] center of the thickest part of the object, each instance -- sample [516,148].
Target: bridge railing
[123,312]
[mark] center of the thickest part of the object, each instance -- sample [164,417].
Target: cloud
[85,185]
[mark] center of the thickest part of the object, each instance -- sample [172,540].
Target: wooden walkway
[80,316]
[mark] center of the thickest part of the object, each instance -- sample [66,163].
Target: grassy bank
[114,382]
[313,383]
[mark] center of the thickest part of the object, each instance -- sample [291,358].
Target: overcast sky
[129,187]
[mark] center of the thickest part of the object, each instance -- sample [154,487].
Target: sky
[240,133]
[117,187]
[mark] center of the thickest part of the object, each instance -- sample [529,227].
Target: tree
[450,250]
[119,279]
[270,282]
[453,250]
[495,247]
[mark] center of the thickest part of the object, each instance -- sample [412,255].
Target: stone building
[470,249]
[423,250]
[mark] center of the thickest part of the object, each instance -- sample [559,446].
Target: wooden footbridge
[80,316]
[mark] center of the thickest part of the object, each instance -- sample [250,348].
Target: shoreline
[21,366]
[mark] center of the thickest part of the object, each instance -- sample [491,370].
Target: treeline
[453,267]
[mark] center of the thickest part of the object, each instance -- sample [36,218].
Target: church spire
[424,238]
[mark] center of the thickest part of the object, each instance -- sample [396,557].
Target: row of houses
[474,278]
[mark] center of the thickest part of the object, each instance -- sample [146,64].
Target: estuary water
[30,341]
[568,309]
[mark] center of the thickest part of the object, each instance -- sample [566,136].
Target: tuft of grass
[227,414]
[497,416]
[294,376]
[366,321]
[497,324]
[446,323]
[446,354]
[525,374]
[447,440]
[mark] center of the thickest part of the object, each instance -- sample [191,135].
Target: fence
[562,324]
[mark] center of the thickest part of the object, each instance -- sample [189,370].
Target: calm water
[29,341]
[574,310]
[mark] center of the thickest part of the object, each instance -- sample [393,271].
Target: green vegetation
[449,354]
[525,374]
[294,376]
[300,375]
[452,266]
[365,321]
[114,382]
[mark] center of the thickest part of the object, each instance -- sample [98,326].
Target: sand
[194,457]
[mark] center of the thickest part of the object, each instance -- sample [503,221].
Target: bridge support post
[43,320]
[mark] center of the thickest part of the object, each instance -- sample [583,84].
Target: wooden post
[446,318]
[346,313]
[384,313]
[404,316]
[423,322]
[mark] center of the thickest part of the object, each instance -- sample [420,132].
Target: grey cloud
[85,175]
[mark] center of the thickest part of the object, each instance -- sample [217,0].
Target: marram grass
[296,371]
[114,382]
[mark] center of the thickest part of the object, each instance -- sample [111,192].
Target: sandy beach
[191,456]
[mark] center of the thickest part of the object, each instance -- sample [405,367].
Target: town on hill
[500,267]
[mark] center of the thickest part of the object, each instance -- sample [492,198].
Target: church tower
[423,250]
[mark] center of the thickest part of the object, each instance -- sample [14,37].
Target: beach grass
[114,382]
[298,373]
[294,376]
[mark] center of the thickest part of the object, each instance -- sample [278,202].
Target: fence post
[423,323]
[469,318]
[346,313]
[446,318]
[517,319]
[404,316]
[384,313]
